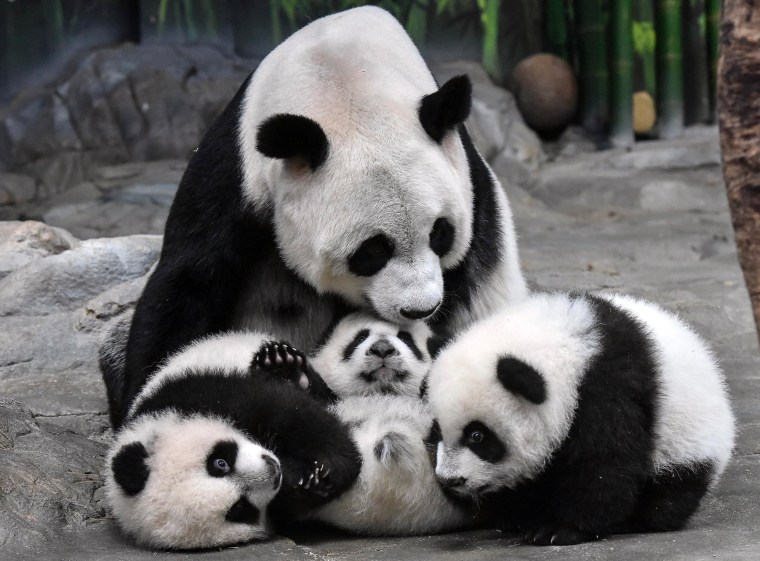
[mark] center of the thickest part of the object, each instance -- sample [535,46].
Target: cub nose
[382,349]
[408,313]
[274,469]
[451,482]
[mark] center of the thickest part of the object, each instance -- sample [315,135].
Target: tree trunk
[739,116]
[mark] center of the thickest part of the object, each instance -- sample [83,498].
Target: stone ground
[652,221]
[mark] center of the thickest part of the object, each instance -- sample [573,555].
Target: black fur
[486,246]
[408,340]
[441,237]
[600,480]
[243,512]
[371,256]
[279,367]
[129,468]
[521,379]
[358,339]
[489,447]
[290,422]
[293,136]
[227,452]
[442,111]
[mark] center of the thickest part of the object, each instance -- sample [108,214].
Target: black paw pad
[558,536]
[316,479]
[283,360]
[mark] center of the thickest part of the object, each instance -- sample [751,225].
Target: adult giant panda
[339,176]
[576,416]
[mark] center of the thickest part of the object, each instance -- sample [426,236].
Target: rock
[48,477]
[121,104]
[495,123]
[546,91]
[62,282]
[24,242]
[15,188]
[700,146]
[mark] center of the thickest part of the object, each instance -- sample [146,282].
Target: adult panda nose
[452,482]
[409,313]
[382,349]
[274,469]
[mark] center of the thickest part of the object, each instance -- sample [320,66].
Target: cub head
[364,355]
[182,483]
[504,393]
[373,202]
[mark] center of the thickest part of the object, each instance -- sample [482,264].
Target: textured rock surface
[635,221]
[121,104]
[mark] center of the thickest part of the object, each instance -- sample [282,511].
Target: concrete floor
[651,226]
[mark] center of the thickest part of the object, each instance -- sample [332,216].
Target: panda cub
[214,446]
[374,370]
[363,355]
[575,416]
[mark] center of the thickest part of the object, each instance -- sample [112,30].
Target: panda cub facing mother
[571,417]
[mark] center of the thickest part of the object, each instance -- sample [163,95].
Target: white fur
[360,77]
[229,353]
[463,386]
[396,494]
[557,335]
[344,376]
[695,420]
[182,506]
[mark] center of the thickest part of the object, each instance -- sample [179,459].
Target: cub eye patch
[371,256]
[483,442]
[243,512]
[441,237]
[221,459]
[406,338]
[356,341]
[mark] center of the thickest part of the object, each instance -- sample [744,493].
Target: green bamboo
[644,40]
[712,16]
[621,73]
[556,28]
[592,62]
[274,12]
[669,57]
[695,68]
[490,10]
[192,31]
[416,22]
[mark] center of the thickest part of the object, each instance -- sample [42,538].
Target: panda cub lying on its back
[374,371]
[580,416]
[210,441]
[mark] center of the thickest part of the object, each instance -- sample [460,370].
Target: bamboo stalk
[416,23]
[556,28]
[712,17]
[669,58]
[592,62]
[490,10]
[621,73]
[695,68]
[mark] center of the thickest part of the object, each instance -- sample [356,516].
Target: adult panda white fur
[339,176]
[578,416]
[396,492]
[363,355]
[211,441]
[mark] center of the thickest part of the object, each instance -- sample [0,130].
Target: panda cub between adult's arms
[575,416]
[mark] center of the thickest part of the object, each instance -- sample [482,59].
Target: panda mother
[339,177]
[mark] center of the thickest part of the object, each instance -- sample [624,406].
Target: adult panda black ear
[442,111]
[130,469]
[293,137]
[521,379]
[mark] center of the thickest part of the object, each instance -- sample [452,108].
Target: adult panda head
[361,165]
[190,482]
[504,392]
[363,355]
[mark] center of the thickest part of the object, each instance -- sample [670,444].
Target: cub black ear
[450,106]
[521,379]
[286,136]
[129,468]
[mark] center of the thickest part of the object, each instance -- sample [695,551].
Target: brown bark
[739,116]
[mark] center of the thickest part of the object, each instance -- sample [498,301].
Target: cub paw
[558,536]
[315,479]
[281,359]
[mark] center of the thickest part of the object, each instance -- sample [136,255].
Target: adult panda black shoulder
[329,182]
[575,417]
[212,440]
